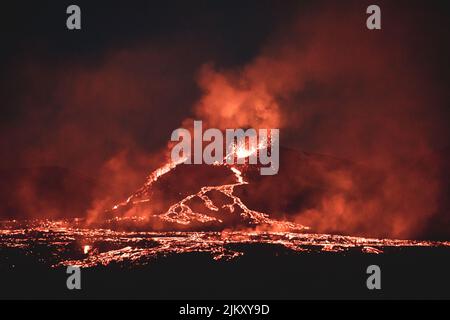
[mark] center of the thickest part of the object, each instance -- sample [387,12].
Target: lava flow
[64,242]
[182,212]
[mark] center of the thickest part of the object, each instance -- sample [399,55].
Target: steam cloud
[332,86]
[346,92]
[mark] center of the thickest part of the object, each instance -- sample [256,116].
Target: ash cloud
[377,98]
[336,88]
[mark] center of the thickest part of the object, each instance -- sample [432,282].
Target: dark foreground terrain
[214,265]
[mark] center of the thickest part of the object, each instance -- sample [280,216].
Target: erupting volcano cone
[196,197]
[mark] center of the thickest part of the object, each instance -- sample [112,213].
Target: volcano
[197,198]
[187,197]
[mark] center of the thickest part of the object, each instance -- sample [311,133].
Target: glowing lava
[183,214]
[86,249]
[131,248]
